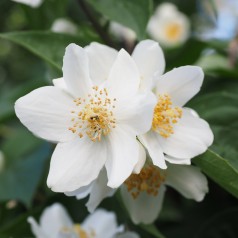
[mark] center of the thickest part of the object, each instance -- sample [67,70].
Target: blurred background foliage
[31,56]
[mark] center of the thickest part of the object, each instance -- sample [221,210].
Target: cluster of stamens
[94,116]
[173,31]
[148,180]
[165,116]
[78,231]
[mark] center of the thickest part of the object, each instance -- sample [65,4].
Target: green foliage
[133,14]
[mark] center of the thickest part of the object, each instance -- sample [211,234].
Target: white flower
[31,3]
[2,161]
[63,25]
[122,33]
[143,194]
[169,26]
[94,113]
[177,133]
[55,222]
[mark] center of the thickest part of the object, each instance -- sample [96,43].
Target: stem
[99,29]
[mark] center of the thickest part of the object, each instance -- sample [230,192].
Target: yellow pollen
[173,31]
[165,116]
[78,231]
[148,180]
[94,116]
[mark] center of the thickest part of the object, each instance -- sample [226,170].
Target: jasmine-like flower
[55,222]
[94,113]
[169,26]
[31,3]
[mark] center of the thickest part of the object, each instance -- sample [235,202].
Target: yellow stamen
[94,116]
[148,180]
[173,31]
[165,116]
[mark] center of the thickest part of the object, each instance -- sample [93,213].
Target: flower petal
[46,112]
[99,191]
[37,230]
[53,219]
[181,84]
[150,61]
[177,160]
[192,136]
[124,80]
[76,71]
[76,164]
[141,161]
[145,208]
[60,83]
[151,142]
[123,154]
[136,113]
[101,59]
[188,180]
[103,223]
[81,192]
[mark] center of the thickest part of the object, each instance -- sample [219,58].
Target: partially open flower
[169,26]
[94,113]
[55,222]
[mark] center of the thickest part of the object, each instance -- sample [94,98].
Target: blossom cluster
[120,123]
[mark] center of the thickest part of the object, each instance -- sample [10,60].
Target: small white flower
[2,161]
[55,222]
[122,33]
[31,3]
[169,26]
[177,133]
[63,25]
[94,113]
[143,193]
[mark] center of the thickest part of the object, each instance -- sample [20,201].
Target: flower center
[148,180]
[173,31]
[94,116]
[77,231]
[165,116]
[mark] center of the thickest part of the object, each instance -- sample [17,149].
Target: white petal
[188,180]
[54,219]
[177,160]
[37,230]
[46,112]
[81,192]
[101,59]
[99,191]
[31,3]
[150,60]
[145,208]
[192,136]
[60,83]
[123,154]
[136,113]
[76,164]
[124,80]
[128,234]
[151,142]
[141,161]
[76,71]
[181,84]
[102,222]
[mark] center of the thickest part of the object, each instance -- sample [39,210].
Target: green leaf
[220,170]
[131,13]
[47,45]
[25,158]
